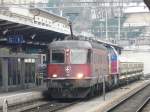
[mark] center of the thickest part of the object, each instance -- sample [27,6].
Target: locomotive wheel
[91,92]
[98,89]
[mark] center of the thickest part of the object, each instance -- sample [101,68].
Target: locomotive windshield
[57,56]
[79,56]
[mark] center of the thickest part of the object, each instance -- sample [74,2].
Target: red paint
[59,69]
[113,67]
[55,69]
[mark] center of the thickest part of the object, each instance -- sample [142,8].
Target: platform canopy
[147,2]
[33,26]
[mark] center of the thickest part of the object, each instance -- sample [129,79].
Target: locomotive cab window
[57,56]
[80,56]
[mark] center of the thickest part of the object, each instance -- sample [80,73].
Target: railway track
[54,105]
[50,107]
[41,106]
[133,102]
[145,107]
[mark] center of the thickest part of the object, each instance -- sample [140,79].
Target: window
[57,56]
[79,56]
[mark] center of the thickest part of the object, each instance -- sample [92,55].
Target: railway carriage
[130,71]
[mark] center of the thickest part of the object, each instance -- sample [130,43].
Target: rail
[123,101]
[39,106]
[143,105]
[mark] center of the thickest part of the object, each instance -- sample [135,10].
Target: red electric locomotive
[76,68]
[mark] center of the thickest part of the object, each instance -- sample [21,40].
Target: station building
[24,36]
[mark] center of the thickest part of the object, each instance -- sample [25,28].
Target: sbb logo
[68,69]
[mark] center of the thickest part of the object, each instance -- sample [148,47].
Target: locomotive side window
[57,56]
[79,56]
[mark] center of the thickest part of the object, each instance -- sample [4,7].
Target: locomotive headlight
[80,75]
[54,75]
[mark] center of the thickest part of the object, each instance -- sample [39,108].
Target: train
[79,68]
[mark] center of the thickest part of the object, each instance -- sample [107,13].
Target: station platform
[21,96]
[99,105]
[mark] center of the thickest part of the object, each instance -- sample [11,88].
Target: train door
[41,68]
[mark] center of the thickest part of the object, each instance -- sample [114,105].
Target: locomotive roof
[75,44]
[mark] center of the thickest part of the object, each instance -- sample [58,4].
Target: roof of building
[13,23]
